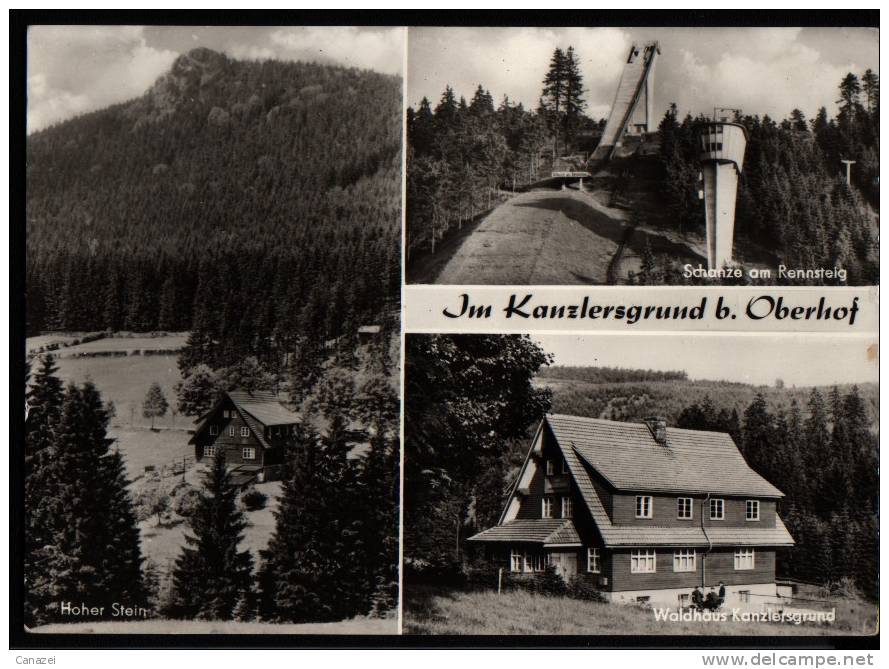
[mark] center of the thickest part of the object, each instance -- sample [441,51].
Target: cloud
[379,49]
[75,69]
[512,61]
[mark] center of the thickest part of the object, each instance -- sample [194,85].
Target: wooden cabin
[646,512]
[253,428]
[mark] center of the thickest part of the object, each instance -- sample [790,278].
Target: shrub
[187,501]
[548,583]
[580,587]
[254,500]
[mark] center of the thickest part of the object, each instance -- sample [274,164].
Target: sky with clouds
[760,70]
[76,69]
[759,359]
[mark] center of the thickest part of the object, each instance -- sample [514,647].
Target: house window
[227,413]
[214,430]
[248,453]
[231,431]
[593,565]
[547,507]
[717,509]
[245,431]
[744,596]
[752,509]
[684,559]
[523,561]
[643,561]
[536,561]
[643,506]
[744,559]
[684,508]
[564,466]
[566,507]
[210,451]
[516,560]
[550,468]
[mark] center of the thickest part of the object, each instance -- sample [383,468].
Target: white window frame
[546,510]
[567,506]
[536,562]
[231,430]
[550,467]
[745,559]
[210,451]
[679,508]
[565,469]
[751,504]
[593,562]
[214,430]
[226,413]
[685,559]
[719,504]
[245,431]
[643,561]
[646,510]
[248,453]
[516,561]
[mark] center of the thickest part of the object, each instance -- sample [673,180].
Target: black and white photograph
[639,485]
[213,324]
[643,156]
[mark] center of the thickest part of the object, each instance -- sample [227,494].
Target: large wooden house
[252,428]
[645,511]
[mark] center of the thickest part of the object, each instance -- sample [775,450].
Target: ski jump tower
[722,146]
[631,112]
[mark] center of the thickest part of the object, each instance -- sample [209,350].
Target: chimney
[658,427]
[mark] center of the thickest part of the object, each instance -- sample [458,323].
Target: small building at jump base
[253,428]
[644,511]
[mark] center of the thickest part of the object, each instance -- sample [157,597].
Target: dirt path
[549,237]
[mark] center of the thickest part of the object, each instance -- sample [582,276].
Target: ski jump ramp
[632,110]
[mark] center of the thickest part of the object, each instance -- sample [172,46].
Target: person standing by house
[721,593]
[697,597]
[712,601]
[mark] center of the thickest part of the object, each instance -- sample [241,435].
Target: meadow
[432,610]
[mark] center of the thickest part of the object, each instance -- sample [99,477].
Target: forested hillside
[253,202]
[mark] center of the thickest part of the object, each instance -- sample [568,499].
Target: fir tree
[211,575]
[155,404]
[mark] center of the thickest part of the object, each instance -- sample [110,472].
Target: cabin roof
[546,531]
[627,456]
[264,407]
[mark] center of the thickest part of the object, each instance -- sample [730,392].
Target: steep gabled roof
[546,531]
[627,456]
[259,409]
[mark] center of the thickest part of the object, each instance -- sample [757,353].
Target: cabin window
[547,507]
[717,509]
[214,430]
[564,466]
[752,509]
[209,451]
[744,596]
[684,508]
[593,565]
[516,560]
[248,453]
[744,559]
[643,506]
[643,561]
[536,562]
[684,559]
[567,507]
[231,431]
[524,561]
[550,468]
[245,431]
[226,413]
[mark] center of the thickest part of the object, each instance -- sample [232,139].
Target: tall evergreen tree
[211,575]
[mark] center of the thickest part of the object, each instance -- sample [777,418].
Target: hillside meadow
[430,610]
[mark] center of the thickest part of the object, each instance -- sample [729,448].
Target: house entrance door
[565,563]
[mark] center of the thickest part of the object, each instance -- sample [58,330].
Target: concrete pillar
[720,192]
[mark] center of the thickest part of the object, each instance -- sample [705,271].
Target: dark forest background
[254,203]
[473,401]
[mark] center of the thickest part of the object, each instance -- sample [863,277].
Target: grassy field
[353,626]
[436,611]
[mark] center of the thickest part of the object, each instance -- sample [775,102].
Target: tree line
[792,194]
[254,202]
[461,153]
[333,553]
[824,457]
